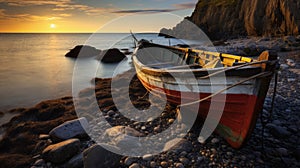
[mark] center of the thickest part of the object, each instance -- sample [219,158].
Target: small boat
[196,78]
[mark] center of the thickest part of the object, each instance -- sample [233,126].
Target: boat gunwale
[242,72]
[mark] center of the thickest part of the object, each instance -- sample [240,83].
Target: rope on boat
[262,74]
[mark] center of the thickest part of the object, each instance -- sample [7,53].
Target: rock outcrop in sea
[112,55]
[83,51]
[225,19]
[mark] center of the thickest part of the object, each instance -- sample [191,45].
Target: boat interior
[158,56]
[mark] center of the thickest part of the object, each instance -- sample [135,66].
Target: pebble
[184,160]
[110,113]
[201,140]
[282,151]
[291,79]
[164,164]
[170,121]
[129,160]
[179,165]
[290,62]
[135,165]
[152,164]
[147,157]
[284,66]
[215,140]
[39,162]
[229,153]
[44,136]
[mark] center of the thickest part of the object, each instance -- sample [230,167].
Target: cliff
[222,19]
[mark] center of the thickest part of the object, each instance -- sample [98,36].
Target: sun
[52,26]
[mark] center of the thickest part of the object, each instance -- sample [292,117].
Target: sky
[78,16]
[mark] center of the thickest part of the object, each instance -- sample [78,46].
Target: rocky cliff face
[221,19]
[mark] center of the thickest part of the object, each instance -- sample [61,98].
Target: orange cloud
[34,2]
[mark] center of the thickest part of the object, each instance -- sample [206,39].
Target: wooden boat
[245,88]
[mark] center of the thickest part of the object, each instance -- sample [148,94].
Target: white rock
[70,129]
[125,138]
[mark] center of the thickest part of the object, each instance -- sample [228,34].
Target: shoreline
[281,134]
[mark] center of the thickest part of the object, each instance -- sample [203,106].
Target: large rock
[97,157]
[125,138]
[83,51]
[234,18]
[70,129]
[113,55]
[61,152]
[178,145]
[75,162]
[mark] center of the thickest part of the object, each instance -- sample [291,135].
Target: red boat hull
[239,113]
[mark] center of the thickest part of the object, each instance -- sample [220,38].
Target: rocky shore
[51,134]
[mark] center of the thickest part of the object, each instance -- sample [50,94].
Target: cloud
[181,6]
[2,14]
[34,2]
[187,5]
[59,5]
[31,17]
[144,11]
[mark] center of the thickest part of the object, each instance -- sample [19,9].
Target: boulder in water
[113,55]
[83,51]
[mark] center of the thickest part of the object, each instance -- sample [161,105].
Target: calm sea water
[33,67]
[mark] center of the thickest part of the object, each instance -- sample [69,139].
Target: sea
[33,67]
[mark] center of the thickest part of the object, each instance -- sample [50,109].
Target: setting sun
[52,26]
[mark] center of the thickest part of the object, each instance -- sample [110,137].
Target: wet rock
[130,160]
[70,129]
[98,156]
[83,51]
[113,55]
[178,145]
[61,152]
[184,160]
[179,165]
[44,136]
[148,157]
[278,131]
[75,162]
[164,164]
[153,164]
